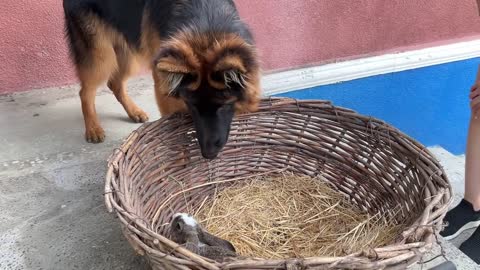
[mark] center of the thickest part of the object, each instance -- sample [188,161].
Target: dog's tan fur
[200,59]
[112,60]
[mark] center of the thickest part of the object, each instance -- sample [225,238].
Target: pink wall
[289,33]
[293,33]
[33,52]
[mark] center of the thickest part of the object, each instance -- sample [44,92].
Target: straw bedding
[293,216]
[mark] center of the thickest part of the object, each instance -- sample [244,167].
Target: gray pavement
[51,182]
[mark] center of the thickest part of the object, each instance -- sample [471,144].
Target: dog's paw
[95,134]
[139,116]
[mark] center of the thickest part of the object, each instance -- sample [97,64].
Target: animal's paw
[94,134]
[139,116]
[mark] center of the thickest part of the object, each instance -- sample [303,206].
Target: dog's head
[216,76]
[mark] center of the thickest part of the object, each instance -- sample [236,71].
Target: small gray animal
[185,230]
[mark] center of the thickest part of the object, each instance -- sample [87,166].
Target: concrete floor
[51,182]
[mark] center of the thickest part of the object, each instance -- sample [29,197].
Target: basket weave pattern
[159,171]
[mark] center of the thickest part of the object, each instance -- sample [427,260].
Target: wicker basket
[159,171]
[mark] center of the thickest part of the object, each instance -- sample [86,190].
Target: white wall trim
[302,78]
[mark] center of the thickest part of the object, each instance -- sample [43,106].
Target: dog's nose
[210,155]
[212,150]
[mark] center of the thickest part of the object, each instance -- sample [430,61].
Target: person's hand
[475,99]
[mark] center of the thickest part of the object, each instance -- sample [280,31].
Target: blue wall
[430,104]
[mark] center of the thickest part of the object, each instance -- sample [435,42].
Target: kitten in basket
[185,230]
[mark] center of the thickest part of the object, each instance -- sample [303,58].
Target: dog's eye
[189,78]
[218,76]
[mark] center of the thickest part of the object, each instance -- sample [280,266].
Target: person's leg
[468,211]
[466,215]
[472,161]
[471,247]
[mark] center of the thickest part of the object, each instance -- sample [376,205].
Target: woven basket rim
[424,229]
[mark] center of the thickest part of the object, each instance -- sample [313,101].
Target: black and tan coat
[201,54]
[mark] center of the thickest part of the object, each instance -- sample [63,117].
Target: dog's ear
[231,62]
[173,80]
[175,67]
[229,72]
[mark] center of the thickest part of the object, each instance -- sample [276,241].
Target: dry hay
[287,216]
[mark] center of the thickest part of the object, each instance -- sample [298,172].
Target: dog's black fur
[105,35]
[166,16]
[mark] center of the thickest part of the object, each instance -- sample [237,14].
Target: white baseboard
[297,79]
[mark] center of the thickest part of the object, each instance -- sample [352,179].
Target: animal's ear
[174,68]
[170,65]
[230,78]
[171,60]
[229,71]
[231,62]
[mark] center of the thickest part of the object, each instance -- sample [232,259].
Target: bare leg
[466,215]
[472,162]
[471,247]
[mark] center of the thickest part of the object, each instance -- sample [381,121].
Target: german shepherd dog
[202,57]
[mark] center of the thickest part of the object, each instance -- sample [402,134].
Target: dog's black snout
[215,143]
[210,155]
[218,143]
[212,126]
[212,148]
